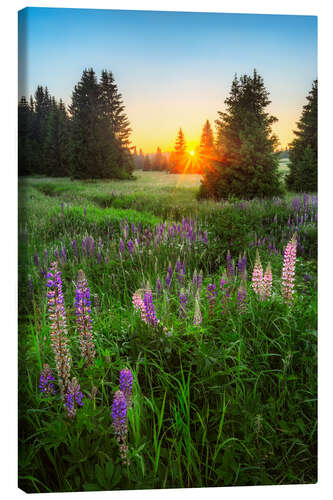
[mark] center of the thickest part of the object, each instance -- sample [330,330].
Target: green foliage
[304,148]
[232,402]
[247,166]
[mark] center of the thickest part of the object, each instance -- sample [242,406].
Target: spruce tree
[25,116]
[178,159]
[206,149]
[247,166]
[56,150]
[303,152]
[147,164]
[158,163]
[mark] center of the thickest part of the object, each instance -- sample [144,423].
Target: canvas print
[167,235]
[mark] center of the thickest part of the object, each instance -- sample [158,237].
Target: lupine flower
[57,316]
[195,280]
[46,380]
[204,236]
[200,279]
[63,254]
[150,309]
[83,318]
[122,246]
[197,312]
[230,267]
[158,286]
[267,282]
[74,245]
[126,383]
[288,271]
[130,246]
[73,398]
[182,303]
[139,305]
[36,260]
[241,299]
[119,422]
[211,295]
[257,276]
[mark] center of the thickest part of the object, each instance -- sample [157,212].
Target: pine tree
[25,112]
[206,149]
[246,166]
[147,164]
[178,159]
[158,163]
[42,107]
[56,150]
[303,152]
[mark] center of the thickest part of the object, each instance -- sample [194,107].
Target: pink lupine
[267,283]
[288,271]
[139,305]
[257,276]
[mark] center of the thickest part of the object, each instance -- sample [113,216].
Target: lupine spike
[126,384]
[73,398]
[288,271]
[182,303]
[267,283]
[57,316]
[197,311]
[83,318]
[46,380]
[257,276]
[119,422]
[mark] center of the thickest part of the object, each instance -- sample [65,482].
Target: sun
[192,153]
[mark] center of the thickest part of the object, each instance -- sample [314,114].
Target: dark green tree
[303,153]
[247,166]
[207,153]
[178,157]
[147,164]
[57,142]
[25,117]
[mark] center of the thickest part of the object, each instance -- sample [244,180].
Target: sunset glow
[173,69]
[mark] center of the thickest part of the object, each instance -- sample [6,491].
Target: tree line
[90,139]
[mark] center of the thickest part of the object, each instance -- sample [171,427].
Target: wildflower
[257,276]
[126,383]
[139,305]
[121,246]
[130,246]
[46,380]
[267,282]
[241,299]
[200,279]
[57,316]
[197,312]
[242,267]
[119,422]
[211,295]
[195,280]
[288,271]
[83,318]
[73,398]
[182,303]
[158,286]
[230,267]
[149,309]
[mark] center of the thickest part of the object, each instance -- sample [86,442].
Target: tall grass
[229,402]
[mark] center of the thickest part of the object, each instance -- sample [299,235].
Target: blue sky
[173,69]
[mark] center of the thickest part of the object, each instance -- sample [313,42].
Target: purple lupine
[63,254]
[36,260]
[126,383]
[158,286]
[200,279]
[83,318]
[182,304]
[130,246]
[241,299]
[119,422]
[74,245]
[211,295]
[73,398]
[230,267]
[205,238]
[46,380]
[195,280]
[150,309]
[57,316]
[99,257]
[121,246]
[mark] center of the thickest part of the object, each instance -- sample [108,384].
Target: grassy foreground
[230,400]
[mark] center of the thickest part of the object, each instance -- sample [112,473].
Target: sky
[174,69]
